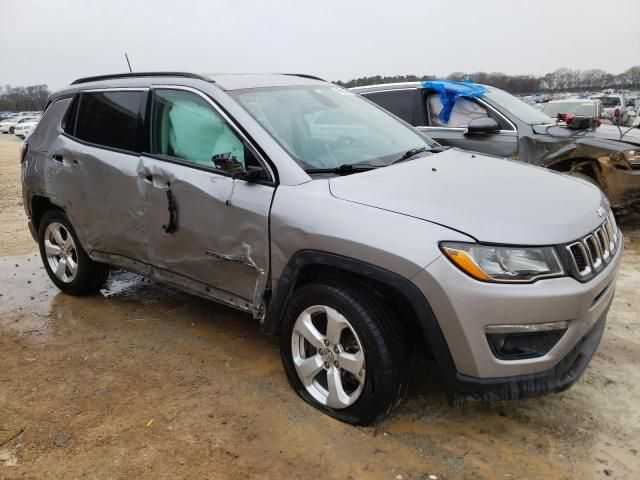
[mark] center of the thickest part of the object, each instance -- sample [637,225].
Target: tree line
[35,97]
[562,79]
[18,99]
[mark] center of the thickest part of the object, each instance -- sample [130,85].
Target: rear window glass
[109,119]
[609,102]
[401,103]
[69,119]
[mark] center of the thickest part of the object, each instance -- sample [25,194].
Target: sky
[55,42]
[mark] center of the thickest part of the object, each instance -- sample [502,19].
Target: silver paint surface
[489,198]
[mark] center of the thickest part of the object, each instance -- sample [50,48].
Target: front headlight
[501,264]
[633,157]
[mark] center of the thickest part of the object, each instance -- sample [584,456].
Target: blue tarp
[450,91]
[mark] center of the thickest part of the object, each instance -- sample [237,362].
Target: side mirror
[251,174]
[482,125]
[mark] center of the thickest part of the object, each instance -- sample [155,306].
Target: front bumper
[464,307]
[555,379]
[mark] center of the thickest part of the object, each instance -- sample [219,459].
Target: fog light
[515,342]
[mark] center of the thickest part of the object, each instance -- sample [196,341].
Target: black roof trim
[304,75]
[140,74]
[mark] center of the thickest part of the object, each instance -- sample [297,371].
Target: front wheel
[65,261]
[343,352]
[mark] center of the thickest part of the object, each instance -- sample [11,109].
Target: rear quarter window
[49,125]
[110,119]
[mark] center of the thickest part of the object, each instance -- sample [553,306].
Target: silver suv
[345,232]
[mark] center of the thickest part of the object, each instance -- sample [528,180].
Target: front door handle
[57,157]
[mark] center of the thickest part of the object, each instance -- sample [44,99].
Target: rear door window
[402,103]
[110,119]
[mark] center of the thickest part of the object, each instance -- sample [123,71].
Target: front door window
[463,112]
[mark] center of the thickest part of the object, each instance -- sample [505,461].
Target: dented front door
[203,228]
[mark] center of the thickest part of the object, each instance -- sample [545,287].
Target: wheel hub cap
[60,251]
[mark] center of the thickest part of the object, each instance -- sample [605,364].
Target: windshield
[324,126]
[577,108]
[517,107]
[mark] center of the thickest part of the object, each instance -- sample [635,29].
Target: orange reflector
[463,260]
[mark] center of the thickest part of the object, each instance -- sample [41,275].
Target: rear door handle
[57,157]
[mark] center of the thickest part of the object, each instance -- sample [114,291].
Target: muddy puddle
[149,382]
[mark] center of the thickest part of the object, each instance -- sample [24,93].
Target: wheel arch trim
[410,292]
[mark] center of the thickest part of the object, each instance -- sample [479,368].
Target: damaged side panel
[221,230]
[572,152]
[101,193]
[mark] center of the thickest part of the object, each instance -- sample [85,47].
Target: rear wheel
[65,261]
[343,352]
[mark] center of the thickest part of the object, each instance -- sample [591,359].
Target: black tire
[382,339]
[90,275]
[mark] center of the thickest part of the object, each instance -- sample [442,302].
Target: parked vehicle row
[6,115]
[346,232]
[19,125]
[618,108]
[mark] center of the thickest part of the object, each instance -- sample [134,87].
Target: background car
[24,129]
[589,108]
[617,109]
[489,120]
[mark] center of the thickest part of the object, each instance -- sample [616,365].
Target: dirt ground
[149,382]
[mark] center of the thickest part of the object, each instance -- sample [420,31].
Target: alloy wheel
[328,356]
[61,252]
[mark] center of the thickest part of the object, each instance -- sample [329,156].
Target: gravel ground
[149,382]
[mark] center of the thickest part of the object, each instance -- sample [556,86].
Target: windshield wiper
[343,169]
[415,151]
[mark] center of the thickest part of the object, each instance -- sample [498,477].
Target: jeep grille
[591,253]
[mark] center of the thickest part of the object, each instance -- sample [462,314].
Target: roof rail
[139,74]
[304,75]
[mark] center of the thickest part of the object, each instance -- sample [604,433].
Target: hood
[491,199]
[611,132]
[607,133]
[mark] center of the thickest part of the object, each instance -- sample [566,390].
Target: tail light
[24,148]
[616,112]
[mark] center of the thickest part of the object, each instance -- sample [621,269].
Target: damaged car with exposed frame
[352,237]
[491,121]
